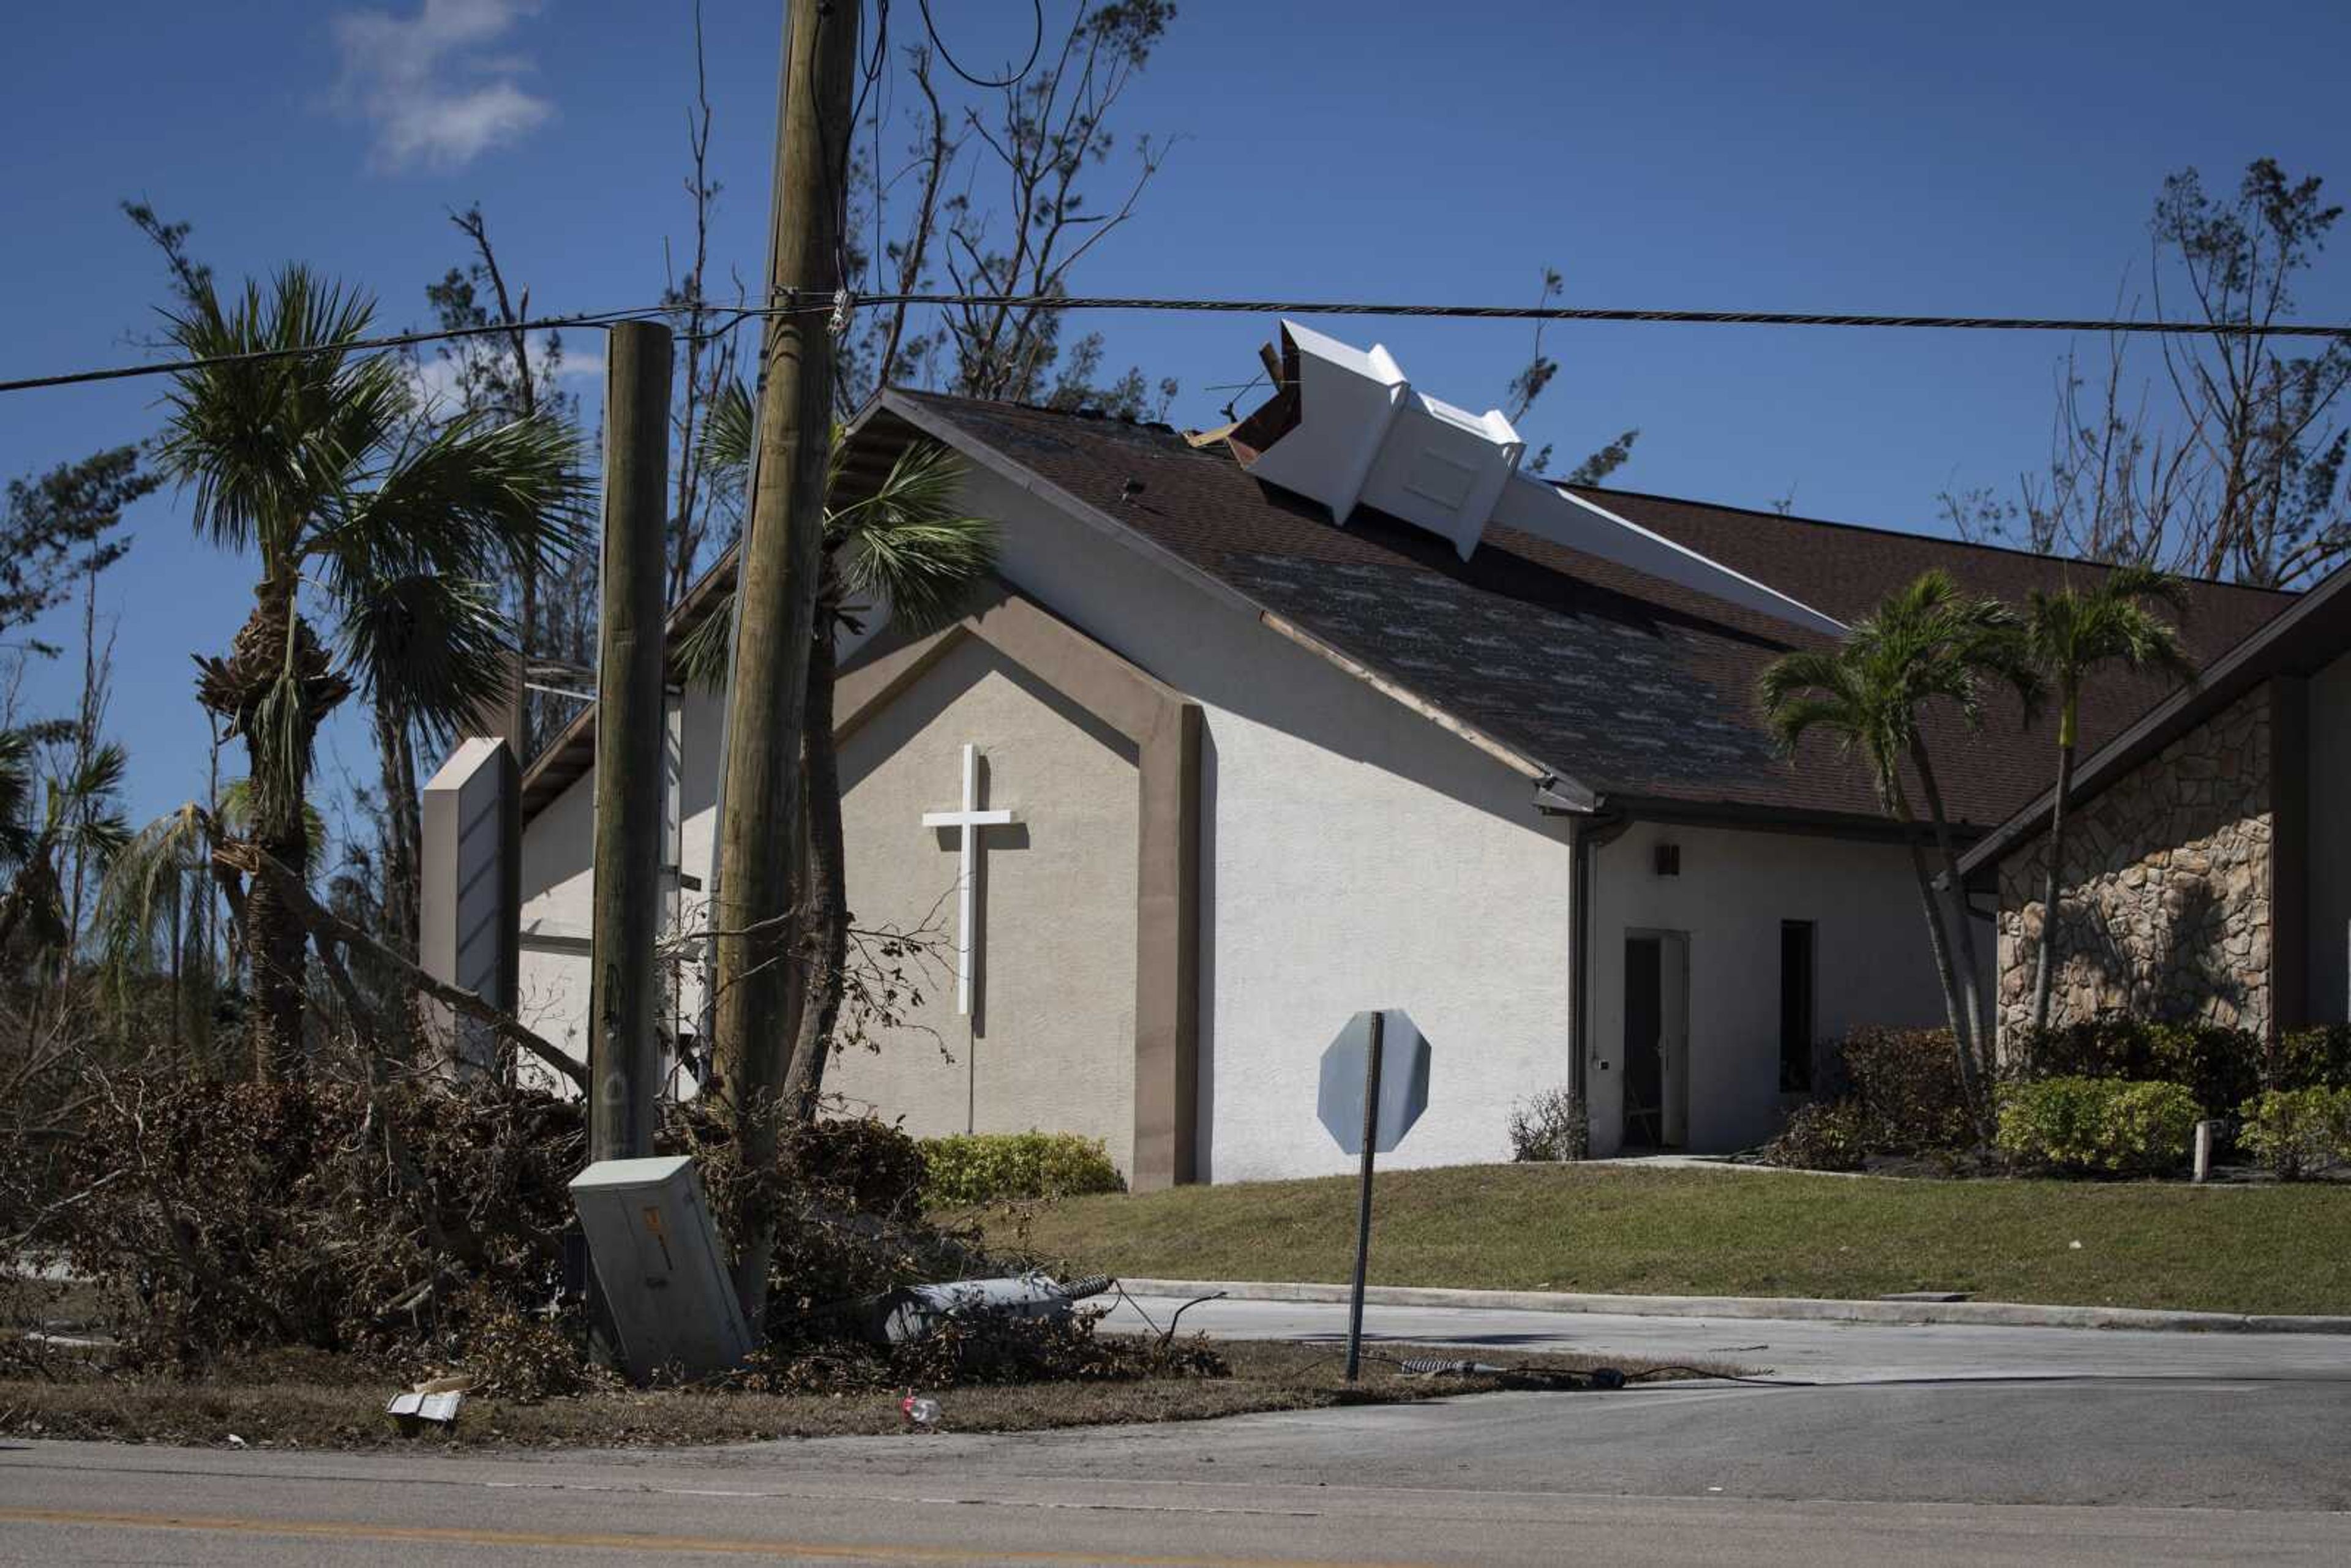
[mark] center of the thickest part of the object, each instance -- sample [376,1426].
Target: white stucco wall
[1355,856]
[558,888]
[558,894]
[2330,843]
[1871,960]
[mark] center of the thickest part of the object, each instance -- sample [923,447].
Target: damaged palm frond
[906,547]
[703,655]
[148,885]
[236,815]
[909,546]
[433,644]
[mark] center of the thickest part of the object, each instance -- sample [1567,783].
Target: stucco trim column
[1165,730]
[469,900]
[2289,854]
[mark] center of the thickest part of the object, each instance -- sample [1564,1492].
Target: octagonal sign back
[1404,1079]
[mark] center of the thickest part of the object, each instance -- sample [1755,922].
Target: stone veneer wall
[2165,910]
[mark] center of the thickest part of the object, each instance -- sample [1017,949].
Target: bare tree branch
[253,861]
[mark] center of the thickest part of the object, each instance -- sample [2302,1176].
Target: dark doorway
[1645,1019]
[1795,1006]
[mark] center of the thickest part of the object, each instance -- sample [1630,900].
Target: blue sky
[1991,159]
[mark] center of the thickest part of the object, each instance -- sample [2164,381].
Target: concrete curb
[1801,1308]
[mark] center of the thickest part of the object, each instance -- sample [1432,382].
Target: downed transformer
[915,1312]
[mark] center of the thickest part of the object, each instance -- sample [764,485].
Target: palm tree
[2070,636]
[905,550]
[1925,642]
[78,817]
[1954,644]
[294,444]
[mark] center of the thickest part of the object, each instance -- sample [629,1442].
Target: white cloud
[438,384]
[437,91]
[583,364]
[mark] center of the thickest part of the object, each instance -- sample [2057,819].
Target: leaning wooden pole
[776,605]
[624,1055]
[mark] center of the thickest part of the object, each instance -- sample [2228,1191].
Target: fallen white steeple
[1355,434]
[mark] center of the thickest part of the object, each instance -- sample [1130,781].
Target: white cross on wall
[967,823]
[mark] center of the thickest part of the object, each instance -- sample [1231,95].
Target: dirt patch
[297,1402]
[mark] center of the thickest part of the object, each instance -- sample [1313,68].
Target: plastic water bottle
[922,1412]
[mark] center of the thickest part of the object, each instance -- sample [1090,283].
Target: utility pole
[775,606]
[623,1063]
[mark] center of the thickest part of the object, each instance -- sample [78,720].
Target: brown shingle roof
[1641,689]
[1845,568]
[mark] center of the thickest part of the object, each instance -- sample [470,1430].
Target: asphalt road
[1928,1446]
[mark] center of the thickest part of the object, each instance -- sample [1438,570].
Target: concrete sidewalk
[1821,1351]
[1781,1309]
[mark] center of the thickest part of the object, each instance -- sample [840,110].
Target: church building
[1339,708]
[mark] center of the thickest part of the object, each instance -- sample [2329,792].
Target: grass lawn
[306,1409]
[1741,1233]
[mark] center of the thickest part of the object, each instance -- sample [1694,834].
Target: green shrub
[2298,1132]
[1905,1084]
[2310,1059]
[1551,1125]
[1820,1137]
[2219,1066]
[980,1167]
[2101,1126]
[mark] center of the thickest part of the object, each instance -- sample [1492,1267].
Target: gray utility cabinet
[657,1261]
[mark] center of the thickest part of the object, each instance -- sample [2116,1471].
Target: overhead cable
[838,305]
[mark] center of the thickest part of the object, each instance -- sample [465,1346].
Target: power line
[370,345]
[793,304]
[1036,44]
[1598,313]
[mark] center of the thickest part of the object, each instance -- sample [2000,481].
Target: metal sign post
[1374,1085]
[1363,1201]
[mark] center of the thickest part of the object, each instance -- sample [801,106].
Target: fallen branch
[254,861]
[32,1230]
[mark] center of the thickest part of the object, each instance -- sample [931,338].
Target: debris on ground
[394,1230]
[431,1404]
